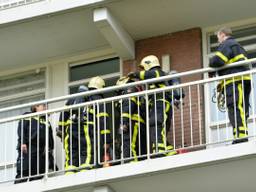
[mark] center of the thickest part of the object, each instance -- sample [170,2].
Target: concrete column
[114,33]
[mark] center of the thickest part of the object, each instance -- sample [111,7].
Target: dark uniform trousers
[72,123]
[135,141]
[75,145]
[159,119]
[81,135]
[36,166]
[97,135]
[80,151]
[237,97]
[134,138]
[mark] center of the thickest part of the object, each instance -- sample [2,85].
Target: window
[108,69]
[247,38]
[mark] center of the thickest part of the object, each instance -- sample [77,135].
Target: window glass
[245,36]
[108,69]
[97,68]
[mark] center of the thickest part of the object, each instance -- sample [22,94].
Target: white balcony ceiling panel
[44,39]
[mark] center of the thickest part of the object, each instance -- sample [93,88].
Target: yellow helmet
[122,80]
[149,62]
[96,82]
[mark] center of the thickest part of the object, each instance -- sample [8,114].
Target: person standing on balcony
[159,106]
[132,122]
[237,89]
[32,146]
[71,131]
[96,128]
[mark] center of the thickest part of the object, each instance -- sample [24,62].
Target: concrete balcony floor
[227,168]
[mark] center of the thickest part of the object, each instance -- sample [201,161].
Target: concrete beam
[103,189]
[115,34]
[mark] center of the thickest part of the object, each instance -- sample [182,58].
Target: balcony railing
[111,131]
[7,4]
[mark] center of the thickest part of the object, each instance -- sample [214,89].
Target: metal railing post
[147,124]
[46,146]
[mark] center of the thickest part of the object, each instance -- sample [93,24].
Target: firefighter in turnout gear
[96,123]
[159,106]
[132,122]
[237,89]
[71,123]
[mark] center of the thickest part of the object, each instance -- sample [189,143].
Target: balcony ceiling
[59,35]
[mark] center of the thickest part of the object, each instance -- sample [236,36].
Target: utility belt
[71,122]
[134,117]
[219,93]
[175,94]
[160,96]
[226,82]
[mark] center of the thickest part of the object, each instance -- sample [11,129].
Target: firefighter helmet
[96,82]
[149,62]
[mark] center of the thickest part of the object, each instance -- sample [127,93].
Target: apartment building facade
[50,47]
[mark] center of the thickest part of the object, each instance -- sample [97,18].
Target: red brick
[185,51]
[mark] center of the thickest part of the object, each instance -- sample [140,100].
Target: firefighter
[132,122]
[160,106]
[32,146]
[237,89]
[96,124]
[71,123]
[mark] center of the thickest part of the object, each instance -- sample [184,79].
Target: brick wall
[185,52]
[183,47]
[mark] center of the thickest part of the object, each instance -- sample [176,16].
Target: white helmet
[122,80]
[96,82]
[149,62]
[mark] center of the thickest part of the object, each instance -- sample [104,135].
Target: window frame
[30,93]
[85,62]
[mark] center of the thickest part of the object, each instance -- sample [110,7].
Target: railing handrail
[136,94]
[118,87]
[17,3]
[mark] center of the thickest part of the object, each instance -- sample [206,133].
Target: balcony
[206,160]
[53,6]
[8,4]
